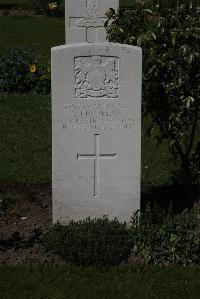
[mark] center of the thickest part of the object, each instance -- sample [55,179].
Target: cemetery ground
[25,179]
[25,172]
[109,282]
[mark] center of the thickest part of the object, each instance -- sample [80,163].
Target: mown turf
[15,2]
[41,32]
[25,146]
[123,282]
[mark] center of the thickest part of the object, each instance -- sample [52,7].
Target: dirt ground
[28,218]
[24,225]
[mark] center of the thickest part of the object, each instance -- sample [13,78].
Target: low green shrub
[91,242]
[21,71]
[165,238]
[155,236]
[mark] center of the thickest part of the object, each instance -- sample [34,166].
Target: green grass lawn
[15,2]
[42,32]
[25,147]
[59,282]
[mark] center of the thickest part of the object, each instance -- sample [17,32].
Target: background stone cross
[85,20]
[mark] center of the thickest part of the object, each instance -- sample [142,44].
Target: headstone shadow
[173,197]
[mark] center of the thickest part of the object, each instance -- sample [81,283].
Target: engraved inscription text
[98,116]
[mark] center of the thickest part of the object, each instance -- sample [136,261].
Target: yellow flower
[53,5]
[32,68]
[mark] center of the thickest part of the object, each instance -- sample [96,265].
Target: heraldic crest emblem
[96,77]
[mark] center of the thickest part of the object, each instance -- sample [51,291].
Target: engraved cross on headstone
[85,20]
[96,157]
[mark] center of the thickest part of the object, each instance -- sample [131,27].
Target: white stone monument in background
[96,121]
[84,20]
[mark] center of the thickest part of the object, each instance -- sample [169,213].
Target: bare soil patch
[26,222]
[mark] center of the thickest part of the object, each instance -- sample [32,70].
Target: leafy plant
[165,238]
[169,36]
[156,236]
[91,242]
[21,71]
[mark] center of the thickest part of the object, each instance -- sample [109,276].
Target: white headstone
[96,111]
[84,19]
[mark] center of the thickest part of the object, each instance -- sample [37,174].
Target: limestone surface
[84,19]
[96,126]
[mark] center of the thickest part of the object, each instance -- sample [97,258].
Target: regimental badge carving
[92,18]
[96,77]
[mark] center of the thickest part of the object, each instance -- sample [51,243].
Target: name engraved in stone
[94,116]
[96,77]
